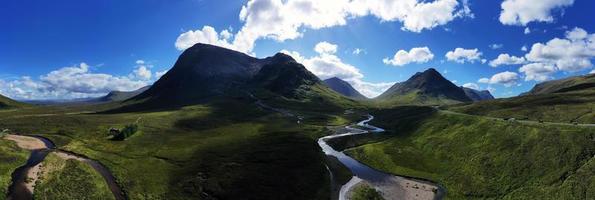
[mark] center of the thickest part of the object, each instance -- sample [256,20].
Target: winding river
[390,186]
[18,189]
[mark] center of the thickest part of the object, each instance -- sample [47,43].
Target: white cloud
[159,74]
[537,71]
[461,55]
[574,53]
[527,31]
[496,46]
[69,82]
[471,85]
[417,55]
[206,35]
[524,48]
[506,78]
[287,19]
[140,62]
[327,65]
[522,12]
[358,51]
[505,59]
[143,73]
[325,48]
[592,72]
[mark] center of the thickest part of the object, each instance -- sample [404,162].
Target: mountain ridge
[344,88]
[427,87]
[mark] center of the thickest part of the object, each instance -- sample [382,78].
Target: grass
[11,157]
[483,158]
[568,107]
[365,192]
[67,179]
[225,149]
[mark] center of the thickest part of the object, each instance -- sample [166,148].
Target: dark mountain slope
[204,72]
[344,88]
[477,95]
[428,87]
[6,103]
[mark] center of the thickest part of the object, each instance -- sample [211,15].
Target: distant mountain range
[121,95]
[428,87]
[344,88]
[477,95]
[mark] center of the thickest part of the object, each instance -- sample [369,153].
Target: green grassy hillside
[6,102]
[576,106]
[484,158]
[11,157]
[226,149]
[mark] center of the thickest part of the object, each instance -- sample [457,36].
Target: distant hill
[477,95]
[344,88]
[428,87]
[563,85]
[205,71]
[121,95]
[6,102]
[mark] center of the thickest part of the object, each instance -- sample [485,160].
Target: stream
[19,191]
[390,186]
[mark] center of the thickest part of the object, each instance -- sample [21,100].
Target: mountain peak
[281,58]
[427,86]
[343,87]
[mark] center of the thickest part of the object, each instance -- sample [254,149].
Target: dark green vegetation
[344,88]
[11,157]
[6,103]
[484,158]
[427,88]
[227,149]
[126,132]
[365,192]
[70,179]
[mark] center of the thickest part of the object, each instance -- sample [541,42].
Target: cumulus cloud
[573,53]
[325,48]
[415,55]
[527,30]
[496,46]
[471,85]
[69,82]
[537,71]
[524,48]
[505,59]
[282,20]
[327,65]
[522,12]
[461,55]
[206,35]
[506,78]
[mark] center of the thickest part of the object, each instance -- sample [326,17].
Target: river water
[380,180]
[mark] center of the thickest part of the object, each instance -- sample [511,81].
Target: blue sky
[69,49]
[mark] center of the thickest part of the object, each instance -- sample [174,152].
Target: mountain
[121,95]
[204,72]
[6,102]
[563,85]
[344,88]
[477,95]
[428,87]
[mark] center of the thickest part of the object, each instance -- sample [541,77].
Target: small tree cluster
[126,132]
